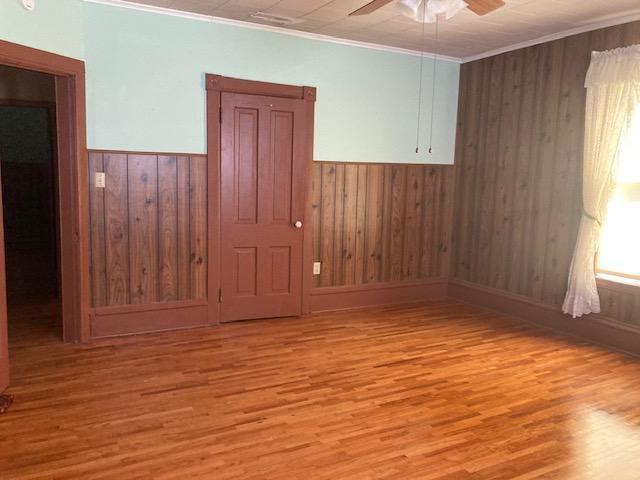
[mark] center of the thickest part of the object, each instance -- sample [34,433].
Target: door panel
[278,266]
[282,152]
[246,267]
[246,165]
[262,196]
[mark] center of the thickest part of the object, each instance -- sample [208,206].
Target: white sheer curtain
[613,91]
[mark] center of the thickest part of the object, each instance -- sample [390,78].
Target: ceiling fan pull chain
[433,88]
[420,79]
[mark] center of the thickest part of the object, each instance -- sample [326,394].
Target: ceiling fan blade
[482,7]
[370,7]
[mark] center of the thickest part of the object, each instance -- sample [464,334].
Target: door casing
[217,85]
[73,221]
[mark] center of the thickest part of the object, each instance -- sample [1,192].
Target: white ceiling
[464,36]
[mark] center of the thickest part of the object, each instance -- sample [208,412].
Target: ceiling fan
[432,9]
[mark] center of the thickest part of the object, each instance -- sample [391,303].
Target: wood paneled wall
[620,302]
[148,228]
[381,223]
[518,161]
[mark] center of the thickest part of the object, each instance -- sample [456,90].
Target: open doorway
[69,160]
[28,171]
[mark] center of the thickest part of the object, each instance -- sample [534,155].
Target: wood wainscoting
[148,242]
[518,170]
[382,232]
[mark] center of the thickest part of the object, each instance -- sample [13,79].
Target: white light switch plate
[100,180]
[316,268]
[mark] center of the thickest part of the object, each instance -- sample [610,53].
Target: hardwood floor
[432,391]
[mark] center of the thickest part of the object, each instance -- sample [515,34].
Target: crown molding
[608,22]
[270,28]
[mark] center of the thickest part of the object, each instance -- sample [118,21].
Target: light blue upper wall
[145,86]
[54,26]
[145,80]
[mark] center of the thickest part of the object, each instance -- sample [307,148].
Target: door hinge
[219,295]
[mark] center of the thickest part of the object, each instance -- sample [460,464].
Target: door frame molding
[73,181]
[216,85]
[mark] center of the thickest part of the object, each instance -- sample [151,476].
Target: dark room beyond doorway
[28,174]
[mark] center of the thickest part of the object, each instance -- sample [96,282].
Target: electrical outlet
[316,268]
[100,180]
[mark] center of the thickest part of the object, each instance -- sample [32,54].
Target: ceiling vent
[279,20]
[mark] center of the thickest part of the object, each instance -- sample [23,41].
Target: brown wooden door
[4,340]
[262,198]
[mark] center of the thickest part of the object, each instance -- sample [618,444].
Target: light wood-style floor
[433,391]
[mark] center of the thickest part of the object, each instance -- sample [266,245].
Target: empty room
[320,239]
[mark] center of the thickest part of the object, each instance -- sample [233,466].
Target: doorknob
[298,224]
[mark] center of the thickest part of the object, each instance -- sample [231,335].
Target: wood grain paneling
[116,223]
[98,250]
[380,223]
[620,302]
[182,225]
[168,227]
[518,164]
[198,224]
[143,228]
[148,228]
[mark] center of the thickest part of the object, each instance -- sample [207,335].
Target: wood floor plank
[426,391]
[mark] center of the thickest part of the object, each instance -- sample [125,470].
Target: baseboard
[130,319]
[371,294]
[592,328]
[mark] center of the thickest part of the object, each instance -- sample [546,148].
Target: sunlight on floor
[604,442]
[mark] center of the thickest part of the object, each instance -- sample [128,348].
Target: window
[619,252]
